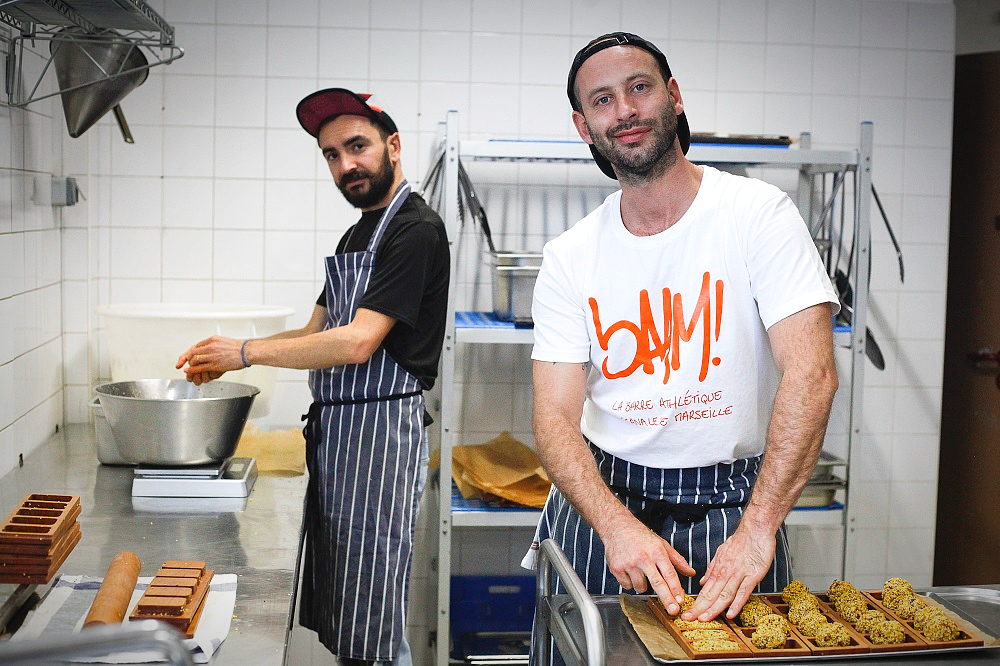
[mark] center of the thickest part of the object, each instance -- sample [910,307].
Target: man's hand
[635,555]
[738,565]
[210,359]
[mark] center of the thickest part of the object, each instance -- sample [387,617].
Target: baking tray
[979,607]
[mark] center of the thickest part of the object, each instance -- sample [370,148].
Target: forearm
[794,441]
[569,462]
[307,348]
[572,468]
[799,417]
[324,349]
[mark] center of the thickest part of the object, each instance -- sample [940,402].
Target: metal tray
[978,606]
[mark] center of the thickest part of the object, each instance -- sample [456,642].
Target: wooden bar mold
[688,645]
[176,595]
[799,645]
[37,537]
[965,637]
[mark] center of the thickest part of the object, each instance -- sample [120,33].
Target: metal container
[174,422]
[107,448]
[514,275]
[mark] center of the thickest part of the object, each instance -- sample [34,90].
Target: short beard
[379,184]
[637,167]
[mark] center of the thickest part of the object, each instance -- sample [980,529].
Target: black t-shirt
[409,283]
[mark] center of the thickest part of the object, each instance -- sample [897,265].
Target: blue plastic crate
[488,604]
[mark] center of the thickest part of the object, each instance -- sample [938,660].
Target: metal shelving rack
[129,23]
[809,163]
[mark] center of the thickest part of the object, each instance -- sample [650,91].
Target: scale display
[231,478]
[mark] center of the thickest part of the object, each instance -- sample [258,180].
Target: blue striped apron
[696,541]
[366,453]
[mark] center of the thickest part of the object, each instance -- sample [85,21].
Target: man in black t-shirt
[372,347]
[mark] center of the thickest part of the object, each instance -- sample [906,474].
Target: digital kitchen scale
[230,478]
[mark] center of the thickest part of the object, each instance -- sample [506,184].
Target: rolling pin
[113,597]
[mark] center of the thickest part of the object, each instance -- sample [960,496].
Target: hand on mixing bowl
[211,358]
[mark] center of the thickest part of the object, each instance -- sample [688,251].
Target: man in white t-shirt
[683,358]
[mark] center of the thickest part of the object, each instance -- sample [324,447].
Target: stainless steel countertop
[256,539]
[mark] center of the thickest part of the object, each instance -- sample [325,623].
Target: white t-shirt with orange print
[674,325]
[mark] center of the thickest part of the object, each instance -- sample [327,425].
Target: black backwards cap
[324,105]
[622,39]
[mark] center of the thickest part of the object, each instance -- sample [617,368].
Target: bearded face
[636,164]
[363,188]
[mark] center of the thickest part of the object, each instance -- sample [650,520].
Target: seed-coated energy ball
[775,620]
[897,584]
[851,607]
[753,611]
[832,634]
[887,632]
[807,599]
[771,632]
[797,611]
[923,616]
[868,620]
[810,622]
[892,597]
[838,587]
[768,637]
[940,627]
[908,607]
[794,589]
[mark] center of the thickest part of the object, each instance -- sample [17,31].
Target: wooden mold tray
[795,646]
[39,520]
[911,639]
[858,644]
[43,569]
[688,646]
[37,537]
[176,595]
[966,637]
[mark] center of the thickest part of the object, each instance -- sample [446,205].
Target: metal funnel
[94,72]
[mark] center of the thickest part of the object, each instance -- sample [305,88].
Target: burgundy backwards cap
[323,105]
[606,42]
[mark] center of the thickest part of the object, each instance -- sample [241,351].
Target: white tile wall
[222,196]
[31,294]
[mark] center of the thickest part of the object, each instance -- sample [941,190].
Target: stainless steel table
[257,538]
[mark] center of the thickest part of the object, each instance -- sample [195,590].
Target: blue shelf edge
[832,506]
[466,319]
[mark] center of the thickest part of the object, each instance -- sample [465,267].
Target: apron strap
[654,513]
[402,192]
[360,401]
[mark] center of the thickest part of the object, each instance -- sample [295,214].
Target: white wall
[223,198]
[31,268]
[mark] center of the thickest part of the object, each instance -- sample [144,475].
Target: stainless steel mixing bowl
[174,422]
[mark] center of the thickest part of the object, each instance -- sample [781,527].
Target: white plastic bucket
[145,339]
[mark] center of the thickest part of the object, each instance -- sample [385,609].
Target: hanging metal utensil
[846,315]
[892,236]
[476,208]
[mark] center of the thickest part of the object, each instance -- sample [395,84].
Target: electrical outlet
[64,191]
